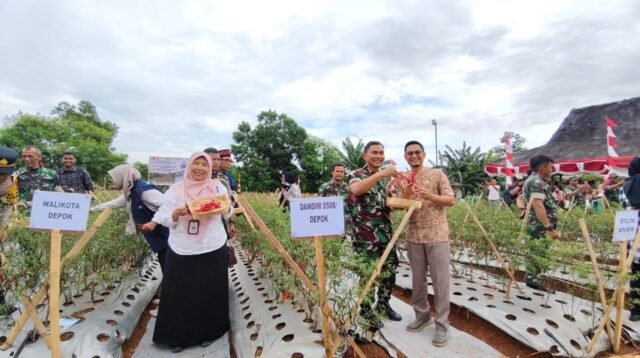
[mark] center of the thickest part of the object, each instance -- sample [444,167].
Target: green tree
[68,128]
[317,158]
[275,144]
[352,154]
[517,144]
[465,166]
[143,168]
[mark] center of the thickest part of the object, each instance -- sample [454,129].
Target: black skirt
[194,302]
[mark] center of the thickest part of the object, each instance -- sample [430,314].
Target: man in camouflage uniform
[542,220]
[372,229]
[574,191]
[8,186]
[34,176]
[339,187]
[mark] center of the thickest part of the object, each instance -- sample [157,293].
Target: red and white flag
[611,138]
[509,159]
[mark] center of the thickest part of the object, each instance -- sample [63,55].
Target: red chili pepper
[208,206]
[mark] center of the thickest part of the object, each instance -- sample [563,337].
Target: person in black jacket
[630,200]
[144,199]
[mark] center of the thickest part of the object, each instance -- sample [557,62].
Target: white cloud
[179,76]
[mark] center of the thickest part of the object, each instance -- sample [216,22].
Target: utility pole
[435,124]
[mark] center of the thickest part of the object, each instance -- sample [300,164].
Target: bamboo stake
[322,290]
[33,314]
[596,269]
[571,204]
[522,228]
[383,258]
[605,320]
[273,241]
[620,308]
[381,261]
[42,292]
[54,292]
[492,245]
[608,204]
[627,263]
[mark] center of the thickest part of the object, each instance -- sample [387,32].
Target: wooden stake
[54,292]
[596,269]
[42,292]
[381,261]
[493,246]
[322,290]
[616,294]
[606,201]
[605,320]
[620,309]
[273,241]
[33,314]
[522,228]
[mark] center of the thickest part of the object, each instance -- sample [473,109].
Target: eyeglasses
[416,153]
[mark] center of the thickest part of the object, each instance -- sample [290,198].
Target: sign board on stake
[59,211]
[626,225]
[312,217]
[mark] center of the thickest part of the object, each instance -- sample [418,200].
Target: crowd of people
[194,255]
[18,184]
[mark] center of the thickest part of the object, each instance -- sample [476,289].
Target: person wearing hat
[217,173]
[8,184]
[574,191]
[611,186]
[34,176]
[225,166]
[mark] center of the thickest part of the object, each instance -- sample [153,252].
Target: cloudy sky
[178,76]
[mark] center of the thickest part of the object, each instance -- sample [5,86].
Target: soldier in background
[542,220]
[338,187]
[574,191]
[34,176]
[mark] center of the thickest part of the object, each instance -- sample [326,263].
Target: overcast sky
[178,76]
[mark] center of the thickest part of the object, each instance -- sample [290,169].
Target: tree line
[275,144]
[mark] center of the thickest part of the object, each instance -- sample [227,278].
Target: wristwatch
[548,228]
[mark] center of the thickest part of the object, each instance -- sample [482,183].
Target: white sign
[59,211]
[166,170]
[626,225]
[317,217]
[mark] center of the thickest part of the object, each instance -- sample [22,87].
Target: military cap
[224,152]
[8,159]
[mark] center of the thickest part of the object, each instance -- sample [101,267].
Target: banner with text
[317,217]
[166,170]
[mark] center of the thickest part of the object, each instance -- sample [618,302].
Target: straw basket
[401,203]
[197,203]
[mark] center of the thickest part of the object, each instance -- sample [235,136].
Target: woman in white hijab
[144,201]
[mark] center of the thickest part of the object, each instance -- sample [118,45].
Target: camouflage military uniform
[372,232]
[579,198]
[30,180]
[8,197]
[536,188]
[341,189]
